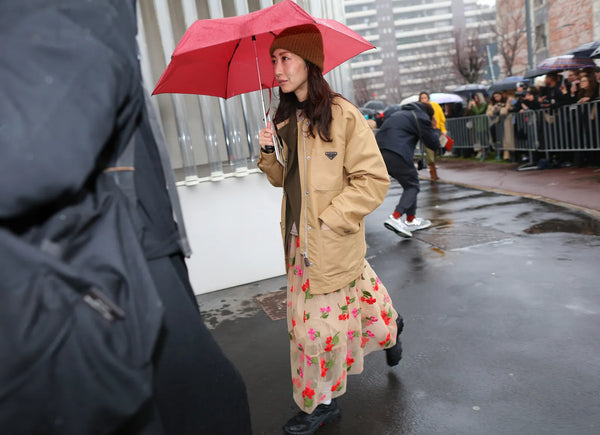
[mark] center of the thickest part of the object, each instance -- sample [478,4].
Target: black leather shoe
[393,355]
[307,424]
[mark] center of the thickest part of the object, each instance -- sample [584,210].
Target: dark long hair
[317,107]
[592,89]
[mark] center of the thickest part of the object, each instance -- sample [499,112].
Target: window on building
[541,40]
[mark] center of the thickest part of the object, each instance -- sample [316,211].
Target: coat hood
[416,106]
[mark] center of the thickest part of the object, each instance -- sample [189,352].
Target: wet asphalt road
[501,300]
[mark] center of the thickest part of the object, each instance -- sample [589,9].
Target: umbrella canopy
[411,99]
[565,62]
[585,50]
[470,89]
[436,97]
[224,57]
[443,98]
[534,73]
[507,84]
[596,53]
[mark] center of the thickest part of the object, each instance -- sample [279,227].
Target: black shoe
[393,355]
[307,424]
[400,325]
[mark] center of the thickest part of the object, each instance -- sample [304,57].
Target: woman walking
[333,175]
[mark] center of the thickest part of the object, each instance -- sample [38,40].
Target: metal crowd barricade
[574,128]
[525,127]
[471,134]
[571,128]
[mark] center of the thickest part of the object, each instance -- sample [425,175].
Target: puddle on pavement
[589,227]
[231,309]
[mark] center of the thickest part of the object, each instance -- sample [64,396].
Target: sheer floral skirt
[331,334]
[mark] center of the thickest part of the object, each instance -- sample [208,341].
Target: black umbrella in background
[534,73]
[507,84]
[586,50]
[470,89]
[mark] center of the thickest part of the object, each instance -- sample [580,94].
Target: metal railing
[574,128]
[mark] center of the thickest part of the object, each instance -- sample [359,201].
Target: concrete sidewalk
[574,187]
[502,308]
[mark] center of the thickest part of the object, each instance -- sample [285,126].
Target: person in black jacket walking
[397,139]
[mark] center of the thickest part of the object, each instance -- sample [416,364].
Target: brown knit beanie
[304,40]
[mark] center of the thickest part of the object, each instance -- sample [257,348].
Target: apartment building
[417,42]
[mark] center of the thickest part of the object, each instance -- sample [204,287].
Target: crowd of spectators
[572,88]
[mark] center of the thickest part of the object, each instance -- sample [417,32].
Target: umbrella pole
[278,148]
[262,101]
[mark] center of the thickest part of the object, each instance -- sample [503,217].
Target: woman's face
[291,73]
[497,97]
[584,82]
[424,98]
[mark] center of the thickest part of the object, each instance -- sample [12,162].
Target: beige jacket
[341,182]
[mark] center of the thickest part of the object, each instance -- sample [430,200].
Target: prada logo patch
[331,154]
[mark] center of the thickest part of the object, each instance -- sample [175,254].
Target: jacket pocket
[327,169]
[339,253]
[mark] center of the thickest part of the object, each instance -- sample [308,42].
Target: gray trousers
[406,174]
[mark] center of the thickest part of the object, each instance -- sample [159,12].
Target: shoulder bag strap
[421,148]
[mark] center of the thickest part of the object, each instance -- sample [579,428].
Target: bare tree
[469,58]
[436,81]
[510,36]
[361,91]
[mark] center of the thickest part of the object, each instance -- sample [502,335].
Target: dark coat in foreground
[99,330]
[400,133]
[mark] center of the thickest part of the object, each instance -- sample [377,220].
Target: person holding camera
[553,97]
[530,100]
[397,139]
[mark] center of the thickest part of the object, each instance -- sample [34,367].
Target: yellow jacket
[438,114]
[341,182]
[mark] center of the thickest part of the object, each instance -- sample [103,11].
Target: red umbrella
[565,62]
[224,57]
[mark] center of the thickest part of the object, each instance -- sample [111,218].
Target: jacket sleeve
[429,135]
[440,117]
[442,121]
[271,167]
[368,180]
[62,89]
[479,110]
